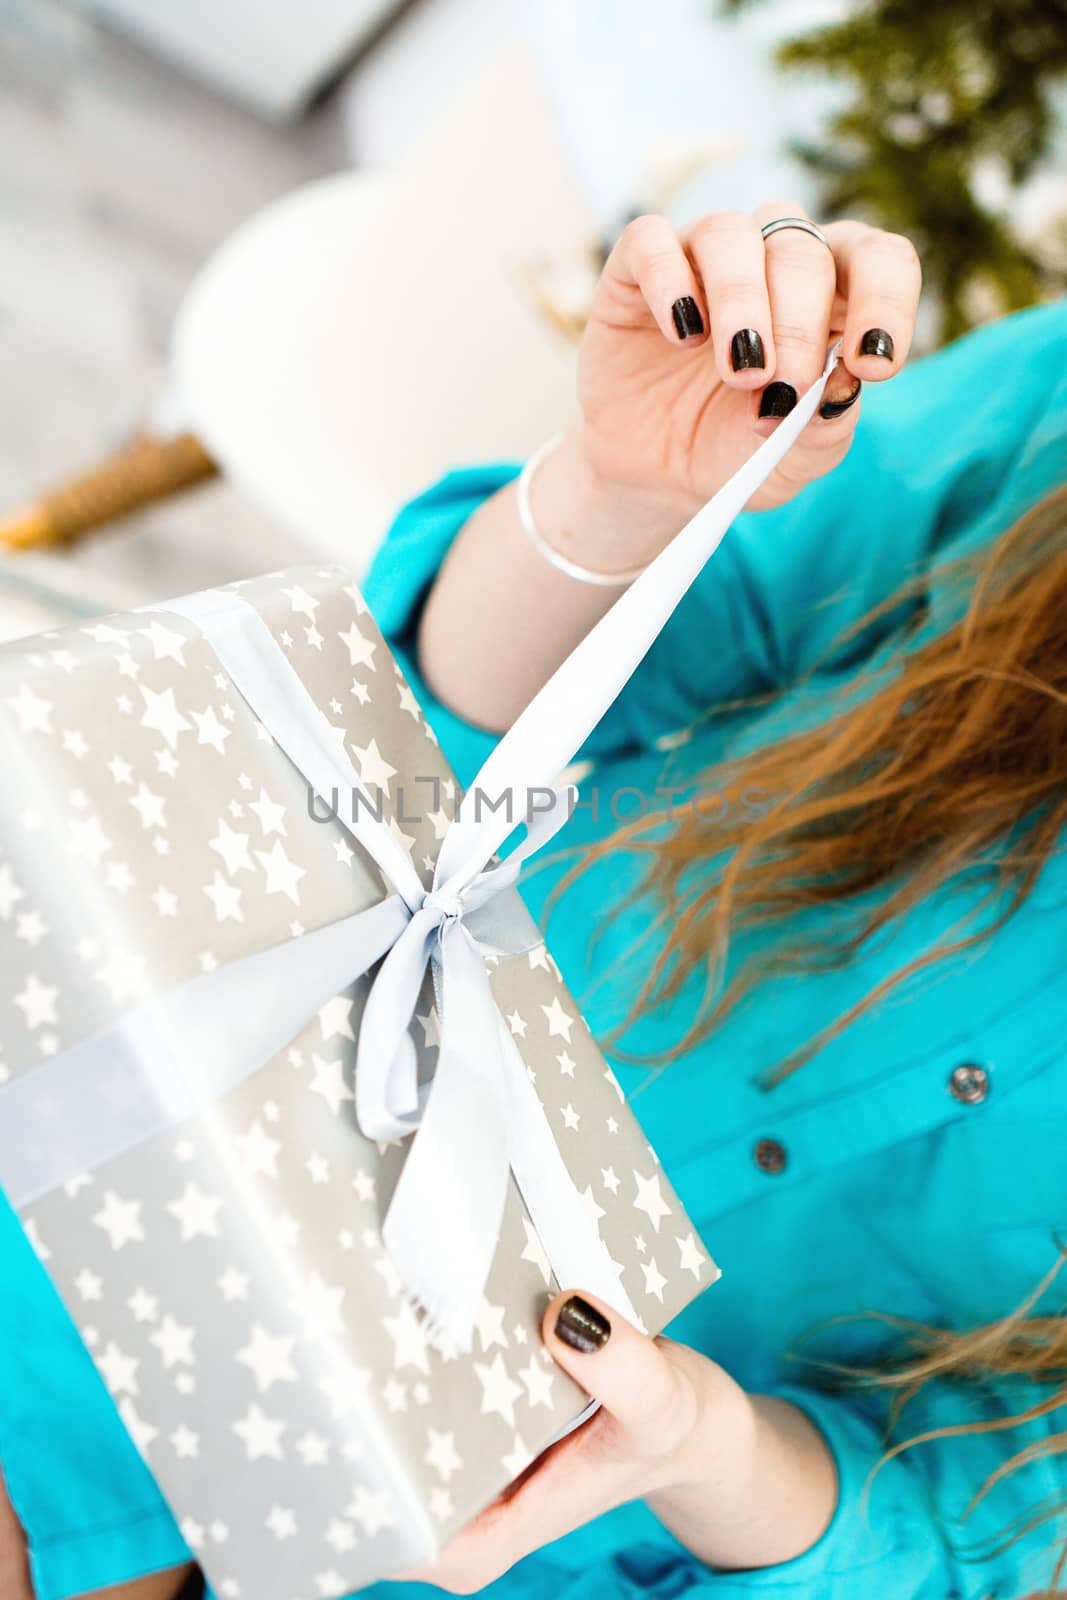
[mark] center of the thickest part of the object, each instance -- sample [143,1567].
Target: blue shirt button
[969,1083]
[769,1155]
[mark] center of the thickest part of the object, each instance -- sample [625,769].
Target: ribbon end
[446,1306]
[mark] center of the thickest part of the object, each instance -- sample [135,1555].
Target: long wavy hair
[951,773]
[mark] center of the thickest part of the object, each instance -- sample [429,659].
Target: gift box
[300,1118]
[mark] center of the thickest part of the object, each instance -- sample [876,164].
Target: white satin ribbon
[480,1114]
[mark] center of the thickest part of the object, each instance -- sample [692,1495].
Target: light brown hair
[950,772]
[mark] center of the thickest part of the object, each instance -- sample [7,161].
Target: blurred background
[267,269]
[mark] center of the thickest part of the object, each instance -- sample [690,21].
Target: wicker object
[147,469]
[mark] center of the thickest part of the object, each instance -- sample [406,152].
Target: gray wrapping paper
[228,1275]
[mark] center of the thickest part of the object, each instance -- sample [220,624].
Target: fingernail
[777,400]
[688,322]
[746,350]
[581,1326]
[876,342]
[837,408]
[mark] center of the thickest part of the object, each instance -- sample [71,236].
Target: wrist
[754,1485]
[723,1442]
[600,522]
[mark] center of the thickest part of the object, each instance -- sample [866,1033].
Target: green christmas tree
[943,88]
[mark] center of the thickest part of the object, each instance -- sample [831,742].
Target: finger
[880,275]
[650,260]
[627,1372]
[729,255]
[608,1460]
[801,281]
[840,396]
[577,1479]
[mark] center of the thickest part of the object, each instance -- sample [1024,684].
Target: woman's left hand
[742,1481]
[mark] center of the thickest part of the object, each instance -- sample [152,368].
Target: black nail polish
[876,342]
[581,1326]
[777,400]
[837,408]
[746,350]
[687,319]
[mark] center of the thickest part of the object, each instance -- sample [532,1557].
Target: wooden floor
[117,177]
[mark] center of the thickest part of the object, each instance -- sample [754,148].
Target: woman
[911,1164]
[846,1143]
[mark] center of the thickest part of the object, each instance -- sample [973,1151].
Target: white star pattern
[313,1450]
[283,875]
[124,975]
[538,1381]
[499,1389]
[650,1199]
[409,1339]
[490,1325]
[269,1358]
[196,1213]
[143,1306]
[328,1081]
[334,1018]
[441,1504]
[120,1220]
[517,1459]
[161,714]
[141,1432]
[166,644]
[271,816]
[209,729]
[281,1520]
[373,768]
[88,841]
[34,714]
[233,1284]
[321,1306]
[149,807]
[261,1435]
[118,1370]
[372,1509]
[259,1152]
[341,1536]
[37,1002]
[233,848]
[186,1443]
[360,649]
[300,600]
[174,1343]
[560,1022]
[226,898]
[442,1455]
[691,1258]
[655,1282]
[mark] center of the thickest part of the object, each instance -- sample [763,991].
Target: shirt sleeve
[903,1534]
[937,454]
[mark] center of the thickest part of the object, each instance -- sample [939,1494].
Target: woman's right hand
[697,343]
[668,411]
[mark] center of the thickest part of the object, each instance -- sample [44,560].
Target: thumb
[634,1377]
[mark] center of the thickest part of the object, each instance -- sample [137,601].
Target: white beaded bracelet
[562,563]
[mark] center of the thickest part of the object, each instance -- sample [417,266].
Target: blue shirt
[896,1196]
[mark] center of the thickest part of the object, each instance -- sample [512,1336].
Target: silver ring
[797,222]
